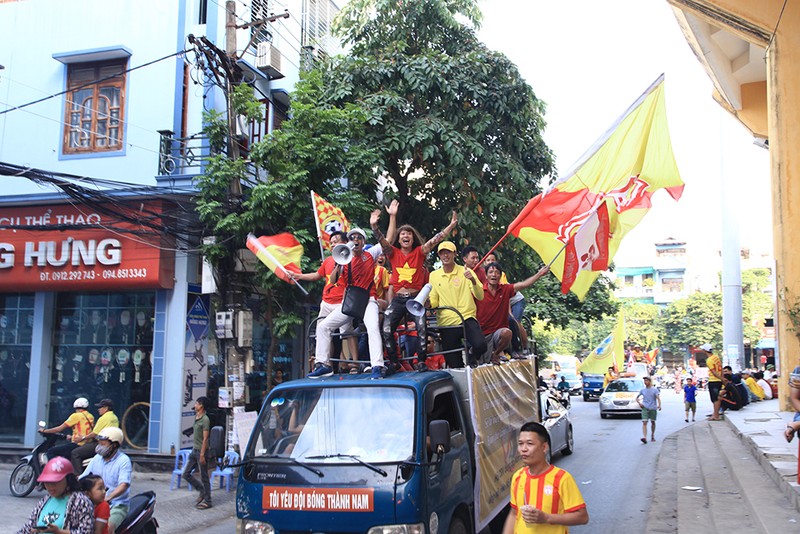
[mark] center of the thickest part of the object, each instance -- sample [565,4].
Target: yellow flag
[631,161]
[609,353]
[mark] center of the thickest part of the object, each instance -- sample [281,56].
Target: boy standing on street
[689,399]
[649,400]
[544,498]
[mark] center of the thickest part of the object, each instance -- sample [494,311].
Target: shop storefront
[84,297]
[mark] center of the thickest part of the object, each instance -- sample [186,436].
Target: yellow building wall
[773,109]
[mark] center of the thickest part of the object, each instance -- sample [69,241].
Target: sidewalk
[175,509]
[738,474]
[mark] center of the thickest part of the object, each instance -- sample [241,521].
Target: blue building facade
[109,98]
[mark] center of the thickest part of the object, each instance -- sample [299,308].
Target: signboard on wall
[195,360]
[76,248]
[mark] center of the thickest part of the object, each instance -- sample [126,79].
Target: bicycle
[136,424]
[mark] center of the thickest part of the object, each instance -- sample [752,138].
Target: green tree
[694,320]
[643,324]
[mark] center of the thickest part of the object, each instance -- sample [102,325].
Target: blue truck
[592,386]
[415,453]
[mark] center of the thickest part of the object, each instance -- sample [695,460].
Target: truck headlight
[417,528]
[249,526]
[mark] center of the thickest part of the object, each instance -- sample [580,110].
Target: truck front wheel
[457,526]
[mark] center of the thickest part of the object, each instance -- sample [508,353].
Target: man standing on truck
[457,287]
[544,498]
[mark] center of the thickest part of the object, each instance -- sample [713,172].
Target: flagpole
[273,259]
[316,223]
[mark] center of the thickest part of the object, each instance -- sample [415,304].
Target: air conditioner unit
[268,60]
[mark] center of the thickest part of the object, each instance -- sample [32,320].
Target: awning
[766,344]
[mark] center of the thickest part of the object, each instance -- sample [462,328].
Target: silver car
[555,418]
[619,397]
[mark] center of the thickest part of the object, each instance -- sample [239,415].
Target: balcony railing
[182,155]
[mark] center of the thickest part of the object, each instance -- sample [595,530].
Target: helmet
[81,402]
[111,433]
[55,470]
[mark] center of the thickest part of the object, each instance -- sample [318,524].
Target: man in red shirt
[332,295]
[360,272]
[407,258]
[495,308]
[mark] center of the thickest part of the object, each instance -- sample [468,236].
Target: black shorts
[713,390]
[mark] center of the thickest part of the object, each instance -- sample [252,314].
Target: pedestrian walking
[544,498]
[198,458]
[689,399]
[649,400]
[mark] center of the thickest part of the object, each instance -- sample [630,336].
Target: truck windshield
[337,425]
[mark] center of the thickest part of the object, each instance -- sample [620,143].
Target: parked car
[592,386]
[619,397]
[555,418]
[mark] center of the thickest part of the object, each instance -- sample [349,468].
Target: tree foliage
[694,320]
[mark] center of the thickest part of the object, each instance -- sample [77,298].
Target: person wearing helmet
[65,507]
[107,418]
[114,467]
[81,423]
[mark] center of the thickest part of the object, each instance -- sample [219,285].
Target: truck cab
[392,456]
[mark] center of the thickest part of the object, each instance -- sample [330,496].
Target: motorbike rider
[107,418]
[114,467]
[81,423]
[65,508]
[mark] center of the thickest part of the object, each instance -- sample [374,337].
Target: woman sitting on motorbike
[65,508]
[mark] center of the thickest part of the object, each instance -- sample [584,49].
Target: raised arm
[392,210]
[374,217]
[531,279]
[438,238]
[308,277]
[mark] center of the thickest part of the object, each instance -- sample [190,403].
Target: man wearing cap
[80,422]
[360,272]
[457,287]
[714,365]
[114,467]
[407,258]
[107,418]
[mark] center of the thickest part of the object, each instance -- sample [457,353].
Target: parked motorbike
[23,477]
[140,518]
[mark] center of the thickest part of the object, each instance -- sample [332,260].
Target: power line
[91,83]
[774,31]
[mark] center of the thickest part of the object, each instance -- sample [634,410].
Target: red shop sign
[104,255]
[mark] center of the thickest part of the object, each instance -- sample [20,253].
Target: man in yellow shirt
[544,498]
[107,419]
[457,287]
[714,365]
[610,376]
[756,392]
[80,422]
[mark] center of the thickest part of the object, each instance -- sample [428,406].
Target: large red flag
[631,161]
[587,248]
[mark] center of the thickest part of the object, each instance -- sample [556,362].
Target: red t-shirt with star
[408,270]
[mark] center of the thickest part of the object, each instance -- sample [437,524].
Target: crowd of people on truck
[472,304]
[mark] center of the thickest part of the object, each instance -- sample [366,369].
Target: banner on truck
[504,399]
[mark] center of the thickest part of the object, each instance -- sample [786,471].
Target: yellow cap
[446,245]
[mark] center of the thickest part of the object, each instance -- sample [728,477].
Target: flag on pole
[328,219]
[651,356]
[282,253]
[609,353]
[623,169]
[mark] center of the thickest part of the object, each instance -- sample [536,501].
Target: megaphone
[343,253]
[416,307]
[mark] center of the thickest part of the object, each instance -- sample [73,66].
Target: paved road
[613,468]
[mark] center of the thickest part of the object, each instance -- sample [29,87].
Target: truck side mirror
[439,434]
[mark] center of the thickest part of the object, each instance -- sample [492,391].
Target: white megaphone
[343,253]
[417,306]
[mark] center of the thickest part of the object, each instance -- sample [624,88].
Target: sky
[589,61]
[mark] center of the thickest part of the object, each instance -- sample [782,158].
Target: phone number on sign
[125,273]
[68,276]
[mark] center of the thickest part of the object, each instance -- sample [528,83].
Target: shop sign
[63,247]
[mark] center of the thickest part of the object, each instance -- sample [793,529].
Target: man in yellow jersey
[714,365]
[107,418]
[544,498]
